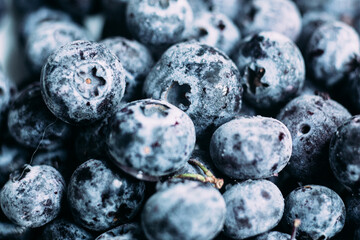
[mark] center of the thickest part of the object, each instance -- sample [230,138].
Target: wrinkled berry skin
[7,92]
[150,138]
[200,80]
[187,210]
[330,52]
[273,235]
[82,82]
[320,210]
[32,197]
[280,16]
[65,230]
[311,121]
[252,208]
[130,231]
[251,147]
[159,24]
[101,198]
[137,62]
[344,153]
[272,69]
[31,123]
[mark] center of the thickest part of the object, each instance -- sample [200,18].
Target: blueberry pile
[180,120]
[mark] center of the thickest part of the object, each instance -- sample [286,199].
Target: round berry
[65,230]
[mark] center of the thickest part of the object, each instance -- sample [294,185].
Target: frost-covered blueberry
[65,230]
[200,80]
[137,62]
[320,210]
[187,210]
[330,52]
[129,231]
[150,138]
[31,123]
[344,153]
[312,120]
[32,197]
[230,8]
[7,93]
[82,82]
[252,208]
[101,198]
[159,23]
[217,30]
[280,16]
[273,235]
[251,147]
[272,69]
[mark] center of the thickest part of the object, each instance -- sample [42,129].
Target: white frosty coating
[273,236]
[253,207]
[340,44]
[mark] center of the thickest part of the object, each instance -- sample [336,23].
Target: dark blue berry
[65,230]
[130,231]
[352,204]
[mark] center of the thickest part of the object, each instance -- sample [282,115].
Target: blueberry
[10,231]
[159,23]
[65,230]
[200,80]
[32,124]
[273,235]
[130,231]
[352,204]
[251,147]
[186,210]
[272,69]
[82,82]
[25,6]
[311,121]
[32,196]
[280,16]
[330,51]
[137,62]
[320,209]
[101,198]
[351,87]
[150,138]
[7,92]
[252,208]
[230,8]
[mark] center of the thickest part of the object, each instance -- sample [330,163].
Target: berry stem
[297,223]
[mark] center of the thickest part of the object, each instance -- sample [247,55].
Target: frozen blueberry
[320,210]
[280,16]
[251,147]
[78,8]
[65,230]
[273,235]
[7,93]
[32,196]
[252,208]
[272,69]
[186,210]
[150,138]
[200,80]
[352,204]
[159,23]
[311,121]
[31,124]
[82,82]
[230,8]
[217,30]
[130,231]
[330,52]
[137,62]
[344,153]
[101,198]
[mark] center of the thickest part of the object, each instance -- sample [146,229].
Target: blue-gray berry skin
[352,204]
[25,6]
[129,231]
[280,16]
[101,198]
[200,80]
[150,138]
[137,62]
[252,207]
[351,88]
[65,230]
[251,147]
[32,197]
[159,24]
[7,92]
[273,235]
[31,124]
[187,210]
[272,69]
[82,82]
[320,210]
[344,153]
[312,120]
[49,36]
[330,51]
